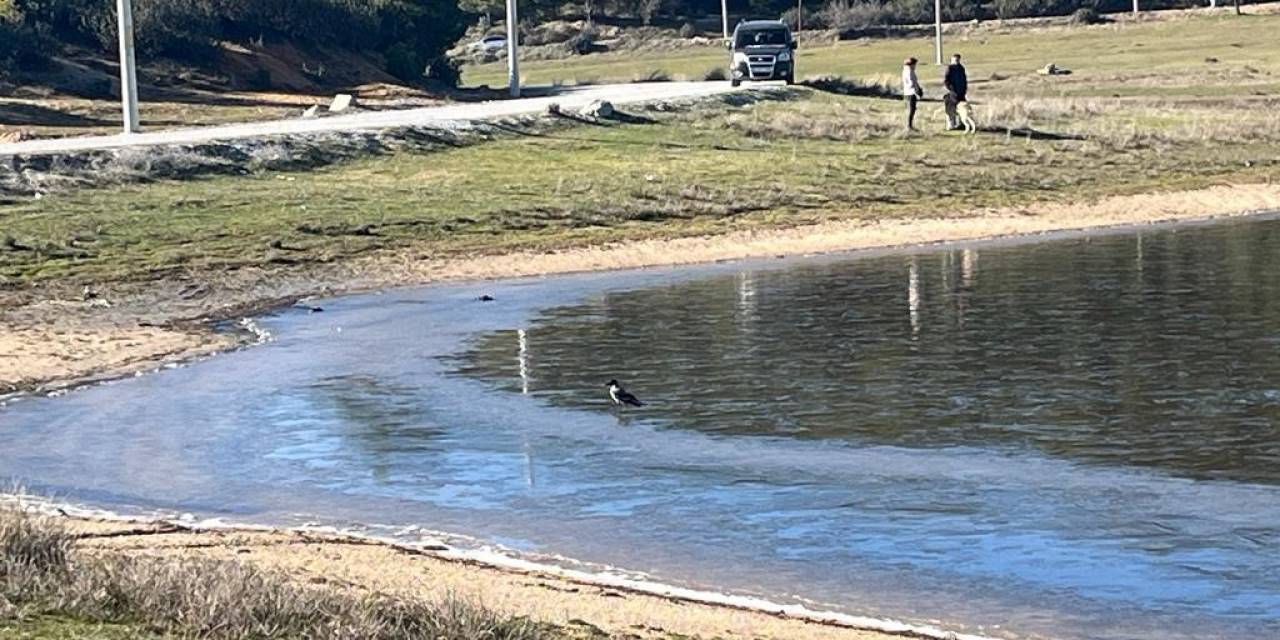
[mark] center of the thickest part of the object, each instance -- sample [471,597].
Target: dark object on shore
[621,396]
[1087,15]
[486,298]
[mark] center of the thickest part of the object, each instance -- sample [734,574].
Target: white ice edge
[499,561]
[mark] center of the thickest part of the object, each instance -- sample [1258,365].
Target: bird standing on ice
[620,396]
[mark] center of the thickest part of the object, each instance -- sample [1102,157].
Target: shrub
[852,87]
[715,74]
[687,30]
[445,71]
[1025,8]
[656,75]
[811,19]
[403,63]
[1085,15]
[844,16]
[21,48]
[583,43]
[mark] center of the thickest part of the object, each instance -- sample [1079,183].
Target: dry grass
[41,576]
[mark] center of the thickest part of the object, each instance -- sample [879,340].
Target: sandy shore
[61,339]
[361,565]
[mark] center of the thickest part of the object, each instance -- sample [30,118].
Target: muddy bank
[58,336]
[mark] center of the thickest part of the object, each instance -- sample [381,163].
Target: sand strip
[50,345]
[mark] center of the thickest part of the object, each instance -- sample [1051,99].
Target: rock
[311,111]
[553,109]
[342,102]
[598,109]
[486,298]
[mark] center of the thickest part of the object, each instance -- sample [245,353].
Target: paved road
[569,98]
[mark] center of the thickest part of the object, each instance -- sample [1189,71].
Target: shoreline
[106,531]
[497,575]
[78,343]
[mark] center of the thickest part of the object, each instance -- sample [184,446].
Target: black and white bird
[621,396]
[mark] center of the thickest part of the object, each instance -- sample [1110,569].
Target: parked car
[491,43]
[762,50]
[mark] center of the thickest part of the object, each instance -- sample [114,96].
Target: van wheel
[735,82]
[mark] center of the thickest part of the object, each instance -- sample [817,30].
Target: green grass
[63,628]
[1104,59]
[815,157]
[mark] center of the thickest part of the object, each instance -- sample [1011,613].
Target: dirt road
[570,98]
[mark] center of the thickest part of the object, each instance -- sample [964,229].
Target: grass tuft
[41,576]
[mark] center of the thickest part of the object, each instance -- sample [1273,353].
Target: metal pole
[799,16]
[724,17]
[1135,7]
[513,50]
[937,31]
[128,70]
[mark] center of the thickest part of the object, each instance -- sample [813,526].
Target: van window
[772,37]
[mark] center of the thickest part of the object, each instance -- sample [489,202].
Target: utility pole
[128,70]
[513,50]
[937,32]
[724,17]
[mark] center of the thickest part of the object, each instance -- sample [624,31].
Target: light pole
[1135,7]
[128,71]
[513,50]
[724,17]
[937,31]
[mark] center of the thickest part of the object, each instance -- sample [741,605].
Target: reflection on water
[1076,439]
[1081,350]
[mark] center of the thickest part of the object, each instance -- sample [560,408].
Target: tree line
[411,36]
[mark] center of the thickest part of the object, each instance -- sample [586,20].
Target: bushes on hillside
[407,33]
[21,48]
[852,16]
[1021,8]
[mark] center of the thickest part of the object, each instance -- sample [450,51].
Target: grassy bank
[816,156]
[48,589]
[1166,57]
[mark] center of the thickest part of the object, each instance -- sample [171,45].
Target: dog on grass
[965,113]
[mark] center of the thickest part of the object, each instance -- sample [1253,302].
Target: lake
[1076,438]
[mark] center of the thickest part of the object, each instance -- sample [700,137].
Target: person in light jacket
[911,91]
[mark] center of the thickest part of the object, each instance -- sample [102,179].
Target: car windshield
[756,37]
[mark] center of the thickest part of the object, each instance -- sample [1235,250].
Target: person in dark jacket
[956,82]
